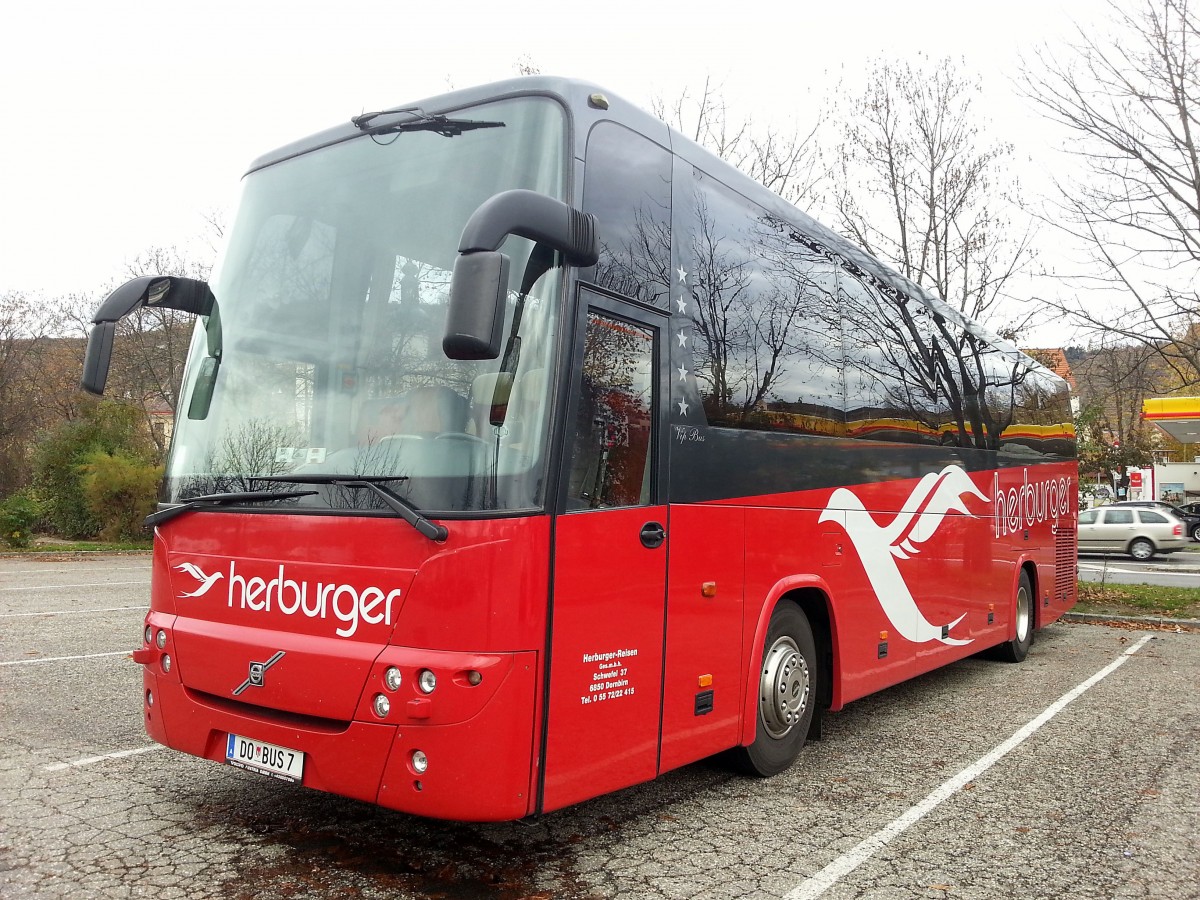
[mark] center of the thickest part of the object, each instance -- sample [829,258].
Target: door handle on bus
[653,534]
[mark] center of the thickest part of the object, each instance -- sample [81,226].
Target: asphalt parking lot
[1075,774]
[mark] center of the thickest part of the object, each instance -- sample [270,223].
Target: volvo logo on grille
[257,672]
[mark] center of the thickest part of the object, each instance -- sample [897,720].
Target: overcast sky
[124,123]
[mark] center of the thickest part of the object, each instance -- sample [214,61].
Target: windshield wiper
[375,484]
[165,515]
[421,121]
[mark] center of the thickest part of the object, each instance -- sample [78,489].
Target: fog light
[166,662]
[149,635]
[426,681]
[392,678]
[420,762]
[161,640]
[382,706]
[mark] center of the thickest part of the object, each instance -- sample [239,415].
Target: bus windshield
[323,354]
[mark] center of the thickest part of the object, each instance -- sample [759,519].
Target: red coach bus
[526,451]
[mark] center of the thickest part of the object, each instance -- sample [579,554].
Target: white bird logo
[206,581]
[934,497]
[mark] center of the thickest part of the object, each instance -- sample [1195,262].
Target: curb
[1105,618]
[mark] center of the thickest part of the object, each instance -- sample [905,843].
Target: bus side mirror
[479,286]
[475,319]
[171,292]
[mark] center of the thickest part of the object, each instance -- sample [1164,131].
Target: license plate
[264,758]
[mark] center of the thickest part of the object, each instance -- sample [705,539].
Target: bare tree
[786,162]
[1132,102]
[1114,380]
[152,343]
[23,337]
[921,188]
[157,338]
[526,66]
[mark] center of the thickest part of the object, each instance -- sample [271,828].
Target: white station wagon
[1129,529]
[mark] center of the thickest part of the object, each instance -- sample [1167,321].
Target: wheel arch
[812,595]
[1028,567]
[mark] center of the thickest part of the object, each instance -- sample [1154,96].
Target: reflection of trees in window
[921,373]
[613,427]
[255,447]
[628,190]
[767,335]
[789,335]
[288,276]
[720,286]
[638,266]
[806,391]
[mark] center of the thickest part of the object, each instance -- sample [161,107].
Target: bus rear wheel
[1018,648]
[787,694]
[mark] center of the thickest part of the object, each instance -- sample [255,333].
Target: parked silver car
[1134,530]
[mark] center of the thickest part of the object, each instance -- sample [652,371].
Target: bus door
[610,562]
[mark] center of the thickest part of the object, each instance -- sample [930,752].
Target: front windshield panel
[323,358]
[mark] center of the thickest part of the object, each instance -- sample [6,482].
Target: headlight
[426,681]
[392,678]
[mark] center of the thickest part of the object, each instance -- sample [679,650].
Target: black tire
[1141,549]
[1196,532]
[787,694]
[1017,649]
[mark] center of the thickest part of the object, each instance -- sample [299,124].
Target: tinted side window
[1118,517]
[627,187]
[1087,517]
[766,343]
[895,385]
[1149,517]
[1041,411]
[614,424]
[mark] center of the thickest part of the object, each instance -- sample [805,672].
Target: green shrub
[119,491]
[61,457]
[18,514]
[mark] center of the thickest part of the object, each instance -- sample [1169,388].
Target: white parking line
[50,659]
[1095,567]
[1115,570]
[68,612]
[47,570]
[89,760]
[818,884]
[59,587]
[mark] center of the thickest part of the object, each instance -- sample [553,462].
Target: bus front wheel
[787,694]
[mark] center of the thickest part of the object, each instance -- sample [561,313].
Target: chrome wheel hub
[783,688]
[1024,614]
